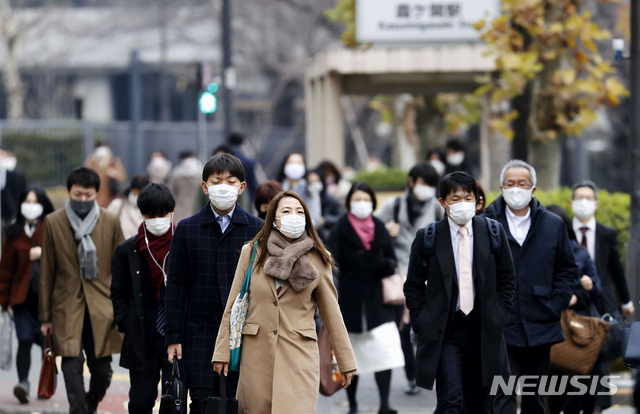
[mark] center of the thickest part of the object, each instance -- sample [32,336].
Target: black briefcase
[174,400]
[631,345]
[222,405]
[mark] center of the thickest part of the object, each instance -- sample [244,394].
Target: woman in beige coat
[292,273]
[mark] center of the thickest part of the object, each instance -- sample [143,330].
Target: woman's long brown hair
[263,235]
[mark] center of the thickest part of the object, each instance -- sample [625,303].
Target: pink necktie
[465,277]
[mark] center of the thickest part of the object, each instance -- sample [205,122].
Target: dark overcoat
[610,268]
[360,272]
[201,266]
[432,305]
[546,277]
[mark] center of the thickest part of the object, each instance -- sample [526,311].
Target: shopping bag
[174,400]
[238,317]
[330,377]
[222,405]
[49,372]
[6,338]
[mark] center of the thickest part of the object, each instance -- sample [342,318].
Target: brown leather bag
[49,371]
[584,336]
[328,386]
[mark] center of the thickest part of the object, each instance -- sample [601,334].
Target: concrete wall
[95,93]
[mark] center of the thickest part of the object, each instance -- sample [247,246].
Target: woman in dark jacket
[330,208]
[19,278]
[364,254]
[585,301]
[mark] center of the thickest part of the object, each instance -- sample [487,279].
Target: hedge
[384,179]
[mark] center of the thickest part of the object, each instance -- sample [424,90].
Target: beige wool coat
[64,294]
[279,369]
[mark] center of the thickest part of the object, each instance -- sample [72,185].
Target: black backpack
[430,237]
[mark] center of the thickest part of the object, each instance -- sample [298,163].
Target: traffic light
[208,100]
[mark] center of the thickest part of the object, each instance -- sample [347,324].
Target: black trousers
[100,368]
[459,373]
[200,394]
[525,361]
[144,382]
[407,346]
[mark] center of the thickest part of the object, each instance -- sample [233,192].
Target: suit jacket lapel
[444,255]
[480,257]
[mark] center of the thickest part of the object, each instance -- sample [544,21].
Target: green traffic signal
[208,103]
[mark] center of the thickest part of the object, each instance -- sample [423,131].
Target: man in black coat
[602,244]
[460,302]
[546,277]
[202,262]
[137,294]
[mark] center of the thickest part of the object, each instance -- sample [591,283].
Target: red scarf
[365,229]
[159,247]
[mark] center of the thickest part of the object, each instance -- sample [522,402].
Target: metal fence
[48,149]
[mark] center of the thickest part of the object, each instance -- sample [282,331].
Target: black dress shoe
[412,388]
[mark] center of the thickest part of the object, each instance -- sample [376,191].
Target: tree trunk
[545,157]
[10,70]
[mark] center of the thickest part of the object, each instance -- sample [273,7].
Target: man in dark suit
[460,303]
[202,262]
[137,293]
[546,276]
[602,244]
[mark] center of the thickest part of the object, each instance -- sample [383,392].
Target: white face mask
[462,212]
[102,152]
[158,226]
[517,198]
[362,209]
[31,211]
[455,159]
[583,209]
[315,187]
[424,192]
[133,199]
[292,225]
[294,171]
[439,166]
[223,196]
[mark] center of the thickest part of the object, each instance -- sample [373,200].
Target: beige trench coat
[64,294]
[279,370]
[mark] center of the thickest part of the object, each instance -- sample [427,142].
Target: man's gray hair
[519,164]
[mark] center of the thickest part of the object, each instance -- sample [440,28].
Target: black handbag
[222,405]
[631,345]
[174,401]
[612,346]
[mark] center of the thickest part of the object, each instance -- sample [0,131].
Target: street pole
[633,251]
[202,137]
[228,71]
[135,88]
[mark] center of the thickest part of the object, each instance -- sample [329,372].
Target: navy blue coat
[201,266]
[546,277]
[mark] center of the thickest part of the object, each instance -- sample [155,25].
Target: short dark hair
[219,164]
[138,182]
[585,183]
[455,144]
[156,200]
[235,138]
[436,151]
[562,213]
[84,177]
[425,171]
[328,167]
[187,154]
[458,180]
[221,148]
[266,192]
[361,186]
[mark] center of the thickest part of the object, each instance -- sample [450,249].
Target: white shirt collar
[455,227]
[518,219]
[577,224]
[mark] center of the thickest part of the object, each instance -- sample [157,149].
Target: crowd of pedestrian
[152,270]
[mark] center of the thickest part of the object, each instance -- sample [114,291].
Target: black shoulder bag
[222,405]
[174,401]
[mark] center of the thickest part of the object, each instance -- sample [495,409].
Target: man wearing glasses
[546,276]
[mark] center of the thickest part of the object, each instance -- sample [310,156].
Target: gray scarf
[86,248]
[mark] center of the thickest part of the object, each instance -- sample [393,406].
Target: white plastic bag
[6,338]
